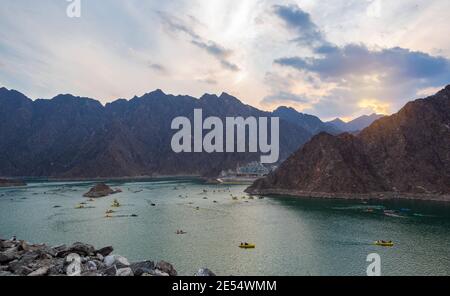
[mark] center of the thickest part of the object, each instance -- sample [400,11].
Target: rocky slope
[19,258]
[407,153]
[73,137]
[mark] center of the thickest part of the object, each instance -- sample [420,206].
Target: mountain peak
[157,92]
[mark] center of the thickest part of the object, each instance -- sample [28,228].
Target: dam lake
[292,236]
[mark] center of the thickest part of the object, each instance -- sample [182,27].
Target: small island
[11,183]
[101,190]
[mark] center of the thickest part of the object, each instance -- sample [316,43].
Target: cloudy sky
[337,58]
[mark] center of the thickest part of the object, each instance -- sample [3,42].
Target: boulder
[91,266]
[105,251]
[6,257]
[167,268]
[117,260]
[82,249]
[124,272]
[140,268]
[204,272]
[40,272]
[110,271]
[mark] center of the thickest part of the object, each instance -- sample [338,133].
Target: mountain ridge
[405,153]
[76,137]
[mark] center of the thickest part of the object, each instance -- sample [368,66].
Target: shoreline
[351,196]
[20,258]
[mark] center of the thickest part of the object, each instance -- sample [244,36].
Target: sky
[336,58]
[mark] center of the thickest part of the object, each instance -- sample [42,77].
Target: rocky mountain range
[406,153]
[356,124]
[74,137]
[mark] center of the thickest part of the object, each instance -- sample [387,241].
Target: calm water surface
[293,236]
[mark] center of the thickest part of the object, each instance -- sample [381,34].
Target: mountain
[309,122]
[75,137]
[406,153]
[357,124]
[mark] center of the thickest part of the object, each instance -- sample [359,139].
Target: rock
[124,272]
[117,260]
[139,268]
[6,273]
[110,271]
[19,267]
[4,267]
[82,249]
[100,257]
[158,272]
[167,268]
[90,273]
[105,251]
[57,268]
[204,272]
[100,190]
[91,266]
[6,257]
[61,250]
[40,272]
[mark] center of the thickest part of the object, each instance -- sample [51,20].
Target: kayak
[384,244]
[249,246]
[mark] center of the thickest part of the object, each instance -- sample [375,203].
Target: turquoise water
[293,236]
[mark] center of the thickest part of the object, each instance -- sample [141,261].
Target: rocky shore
[349,196]
[19,258]
[11,183]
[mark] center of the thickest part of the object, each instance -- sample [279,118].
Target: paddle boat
[382,243]
[247,246]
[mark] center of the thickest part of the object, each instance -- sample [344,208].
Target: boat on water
[247,246]
[382,243]
[115,204]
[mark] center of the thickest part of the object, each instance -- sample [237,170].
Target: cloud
[217,51]
[394,64]
[210,81]
[300,22]
[158,68]
[214,49]
[283,97]
[358,77]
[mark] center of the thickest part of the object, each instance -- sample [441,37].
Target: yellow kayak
[247,246]
[384,244]
[79,206]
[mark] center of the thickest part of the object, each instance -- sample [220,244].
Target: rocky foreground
[19,258]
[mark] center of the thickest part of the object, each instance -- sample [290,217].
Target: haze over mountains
[408,152]
[356,124]
[73,137]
